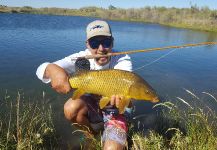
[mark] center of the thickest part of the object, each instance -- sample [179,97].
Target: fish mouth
[155,100]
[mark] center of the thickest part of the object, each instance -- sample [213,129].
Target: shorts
[115,124]
[94,114]
[115,128]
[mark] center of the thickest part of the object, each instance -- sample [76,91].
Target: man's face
[100,45]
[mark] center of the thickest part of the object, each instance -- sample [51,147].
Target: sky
[212,4]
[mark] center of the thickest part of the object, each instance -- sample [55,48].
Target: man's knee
[72,108]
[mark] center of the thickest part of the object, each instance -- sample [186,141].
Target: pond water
[26,41]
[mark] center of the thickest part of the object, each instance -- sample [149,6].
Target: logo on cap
[96,27]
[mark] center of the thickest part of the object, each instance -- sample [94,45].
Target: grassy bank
[26,125]
[184,124]
[191,18]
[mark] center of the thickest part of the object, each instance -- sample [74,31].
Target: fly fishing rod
[146,50]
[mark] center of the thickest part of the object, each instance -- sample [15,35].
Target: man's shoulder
[122,62]
[80,53]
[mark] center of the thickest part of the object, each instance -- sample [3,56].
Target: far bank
[196,18]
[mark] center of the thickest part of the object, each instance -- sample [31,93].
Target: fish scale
[111,82]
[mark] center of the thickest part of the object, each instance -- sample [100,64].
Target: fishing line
[163,56]
[156,60]
[145,50]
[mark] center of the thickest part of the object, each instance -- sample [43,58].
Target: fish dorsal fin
[103,102]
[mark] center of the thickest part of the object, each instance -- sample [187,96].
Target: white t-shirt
[122,62]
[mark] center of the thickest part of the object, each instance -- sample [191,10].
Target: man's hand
[59,78]
[115,100]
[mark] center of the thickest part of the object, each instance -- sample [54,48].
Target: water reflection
[28,40]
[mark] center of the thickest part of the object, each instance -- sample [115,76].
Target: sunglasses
[106,43]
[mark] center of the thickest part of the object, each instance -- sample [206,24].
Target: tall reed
[187,124]
[26,125]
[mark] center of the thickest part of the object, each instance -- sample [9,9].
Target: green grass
[183,126]
[183,123]
[26,125]
[180,125]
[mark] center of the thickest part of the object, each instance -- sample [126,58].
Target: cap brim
[99,34]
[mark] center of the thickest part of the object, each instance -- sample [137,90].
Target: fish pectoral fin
[124,102]
[77,93]
[103,102]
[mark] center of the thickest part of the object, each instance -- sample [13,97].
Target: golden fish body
[125,84]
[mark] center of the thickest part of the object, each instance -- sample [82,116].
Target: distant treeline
[194,18]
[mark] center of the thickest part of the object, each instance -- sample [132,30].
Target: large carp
[106,83]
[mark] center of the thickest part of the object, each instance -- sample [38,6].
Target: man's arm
[57,73]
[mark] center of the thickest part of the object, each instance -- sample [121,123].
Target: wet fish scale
[112,82]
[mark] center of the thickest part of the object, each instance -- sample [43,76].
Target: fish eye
[147,91]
